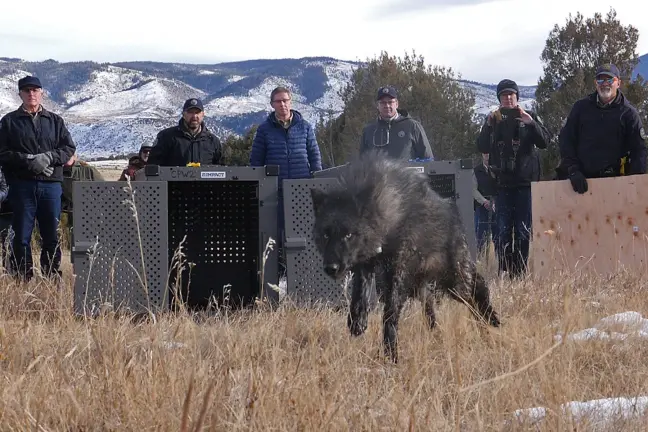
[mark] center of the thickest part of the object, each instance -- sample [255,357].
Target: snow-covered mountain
[111,109]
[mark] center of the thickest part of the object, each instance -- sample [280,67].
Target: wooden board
[599,232]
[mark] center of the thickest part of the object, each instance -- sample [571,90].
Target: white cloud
[484,40]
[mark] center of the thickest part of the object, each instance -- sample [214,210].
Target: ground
[111,173]
[295,369]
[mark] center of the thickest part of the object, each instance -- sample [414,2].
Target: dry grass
[300,370]
[291,369]
[111,174]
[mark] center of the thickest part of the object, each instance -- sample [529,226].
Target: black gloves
[578,181]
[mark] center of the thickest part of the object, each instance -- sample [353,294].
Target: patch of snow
[105,81]
[235,78]
[206,72]
[598,412]
[159,98]
[620,326]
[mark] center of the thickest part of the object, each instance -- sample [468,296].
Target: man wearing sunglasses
[603,135]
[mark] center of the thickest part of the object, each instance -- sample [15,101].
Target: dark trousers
[485,225]
[35,201]
[513,210]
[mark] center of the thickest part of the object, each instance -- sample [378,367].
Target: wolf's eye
[348,236]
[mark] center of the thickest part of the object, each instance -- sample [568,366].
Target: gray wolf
[384,220]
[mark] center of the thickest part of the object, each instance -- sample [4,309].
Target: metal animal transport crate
[306,281]
[202,232]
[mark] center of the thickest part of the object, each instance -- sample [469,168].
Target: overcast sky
[484,40]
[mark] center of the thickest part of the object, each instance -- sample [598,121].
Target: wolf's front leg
[359,309]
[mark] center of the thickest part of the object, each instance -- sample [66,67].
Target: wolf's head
[346,231]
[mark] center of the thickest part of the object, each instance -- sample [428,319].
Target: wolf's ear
[318,197]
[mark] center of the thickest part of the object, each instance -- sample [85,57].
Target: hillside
[111,109]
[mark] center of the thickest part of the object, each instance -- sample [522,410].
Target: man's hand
[578,182]
[524,116]
[488,205]
[39,162]
[48,171]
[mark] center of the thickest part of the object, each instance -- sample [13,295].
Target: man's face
[606,86]
[31,96]
[485,158]
[508,99]
[193,117]
[144,154]
[387,106]
[282,104]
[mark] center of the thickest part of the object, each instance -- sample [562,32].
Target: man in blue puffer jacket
[286,139]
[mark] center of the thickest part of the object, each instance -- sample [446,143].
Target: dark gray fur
[384,220]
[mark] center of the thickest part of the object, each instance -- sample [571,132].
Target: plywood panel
[599,232]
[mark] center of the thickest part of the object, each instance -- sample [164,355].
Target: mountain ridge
[113,108]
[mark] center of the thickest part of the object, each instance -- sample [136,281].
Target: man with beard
[603,135]
[188,142]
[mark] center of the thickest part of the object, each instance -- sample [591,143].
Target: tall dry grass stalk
[293,369]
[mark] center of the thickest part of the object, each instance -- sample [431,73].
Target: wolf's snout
[332,269]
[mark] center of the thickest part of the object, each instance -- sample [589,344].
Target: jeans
[485,224]
[513,210]
[33,200]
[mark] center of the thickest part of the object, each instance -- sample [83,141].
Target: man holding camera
[603,136]
[511,136]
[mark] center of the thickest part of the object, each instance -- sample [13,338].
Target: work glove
[48,171]
[39,162]
[578,182]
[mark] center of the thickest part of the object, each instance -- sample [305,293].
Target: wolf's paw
[357,325]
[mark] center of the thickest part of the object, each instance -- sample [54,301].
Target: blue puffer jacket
[295,149]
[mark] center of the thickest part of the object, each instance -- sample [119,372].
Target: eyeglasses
[601,81]
[281,101]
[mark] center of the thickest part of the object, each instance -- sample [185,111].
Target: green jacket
[79,171]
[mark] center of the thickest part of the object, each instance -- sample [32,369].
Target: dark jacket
[594,138]
[175,146]
[294,148]
[512,148]
[21,135]
[402,138]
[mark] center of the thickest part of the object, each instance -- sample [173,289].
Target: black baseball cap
[29,81]
[193,103]
[608,69]
[387,91]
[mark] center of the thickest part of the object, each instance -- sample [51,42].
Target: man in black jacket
[603,135]
[511,135]
[34,145]
[188,142]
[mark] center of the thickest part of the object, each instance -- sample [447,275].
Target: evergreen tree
[237,149]
[570,58]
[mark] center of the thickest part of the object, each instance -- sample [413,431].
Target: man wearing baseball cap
[34,146]
[603,136]
[395,131]
[187,142]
